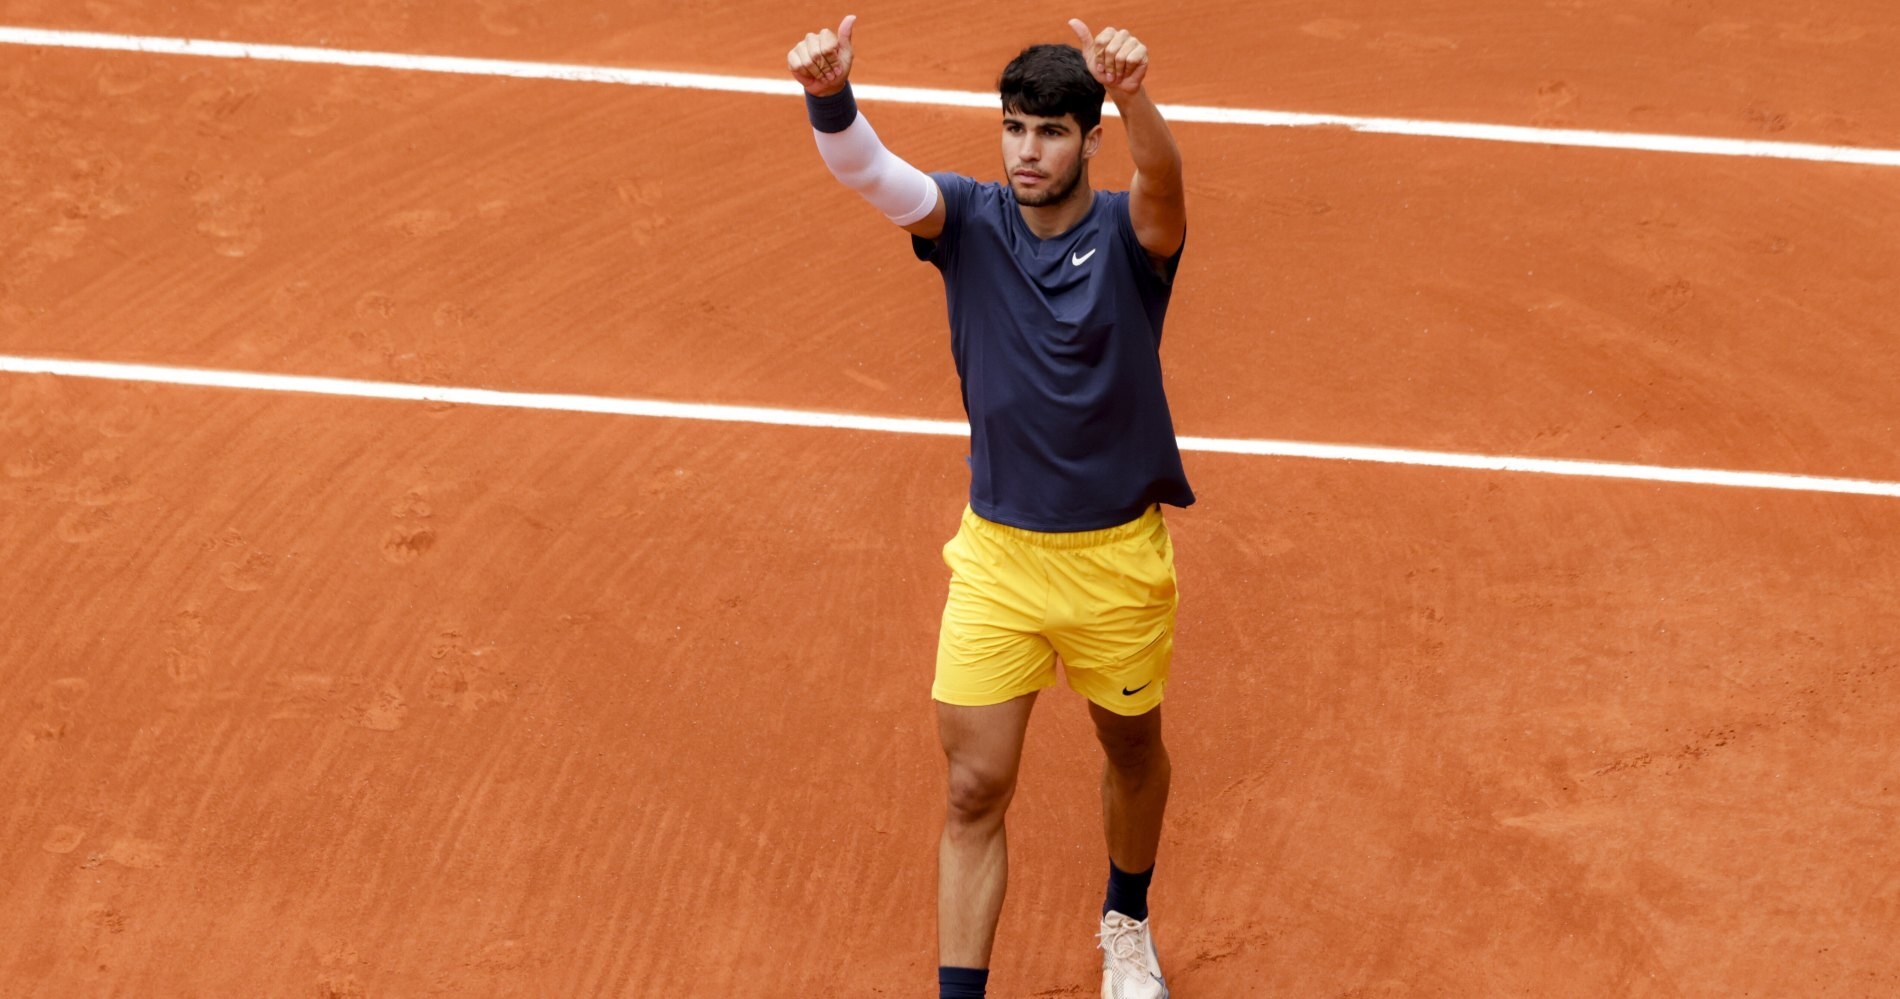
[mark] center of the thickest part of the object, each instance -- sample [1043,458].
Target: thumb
[1082,31]
[844,28]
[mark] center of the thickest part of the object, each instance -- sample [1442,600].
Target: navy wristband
[834,113]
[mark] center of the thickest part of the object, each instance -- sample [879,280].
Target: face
[1046,158]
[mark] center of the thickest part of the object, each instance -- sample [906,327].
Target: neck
[1054,220]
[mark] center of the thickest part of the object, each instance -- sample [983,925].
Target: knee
[978,796]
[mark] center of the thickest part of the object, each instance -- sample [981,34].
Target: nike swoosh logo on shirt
[1083,259]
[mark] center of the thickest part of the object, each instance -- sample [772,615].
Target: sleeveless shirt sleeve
[1161,272]
[956,190]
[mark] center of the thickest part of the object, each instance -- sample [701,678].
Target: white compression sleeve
[859,160]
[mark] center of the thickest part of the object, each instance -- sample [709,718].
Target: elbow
[1169,168]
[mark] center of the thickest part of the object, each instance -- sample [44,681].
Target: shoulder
[1111,210]
[968,190]
[1115,202]
[971,201]
[1161,269]
[969,204]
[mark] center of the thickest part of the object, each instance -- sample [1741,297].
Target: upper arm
[931,226]
[934,237]
[1157,207]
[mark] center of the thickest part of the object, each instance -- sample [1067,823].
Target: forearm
[1150,143]
[859,160]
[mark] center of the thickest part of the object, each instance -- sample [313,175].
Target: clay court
[320,695]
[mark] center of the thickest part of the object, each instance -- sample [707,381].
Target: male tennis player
[1056,294]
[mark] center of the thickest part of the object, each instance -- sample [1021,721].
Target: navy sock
[1128,893]
[962,983]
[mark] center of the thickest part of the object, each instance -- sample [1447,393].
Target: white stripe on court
[950,98]
[205,378]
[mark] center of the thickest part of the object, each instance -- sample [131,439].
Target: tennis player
[1056,294]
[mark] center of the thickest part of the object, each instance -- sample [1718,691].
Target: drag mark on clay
[1679,758]
[1870,677]
[1214,952]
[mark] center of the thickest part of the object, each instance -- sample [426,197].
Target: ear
[1092,142]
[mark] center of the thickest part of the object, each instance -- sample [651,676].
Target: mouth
[1029,176]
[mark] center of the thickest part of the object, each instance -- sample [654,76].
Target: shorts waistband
[1064,539]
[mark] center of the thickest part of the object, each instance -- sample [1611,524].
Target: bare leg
[1134,785]
[984,747]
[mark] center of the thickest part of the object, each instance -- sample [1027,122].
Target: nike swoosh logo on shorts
[1079,261]
[1151,644]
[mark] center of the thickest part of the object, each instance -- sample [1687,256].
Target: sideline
[1637,141]
[254,381]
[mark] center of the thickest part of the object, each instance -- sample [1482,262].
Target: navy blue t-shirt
[1057,343]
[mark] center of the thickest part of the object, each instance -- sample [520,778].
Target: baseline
[257,381]
[1582,138]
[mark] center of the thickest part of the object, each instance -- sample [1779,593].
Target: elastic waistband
[1065,539]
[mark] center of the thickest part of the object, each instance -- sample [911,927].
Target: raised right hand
[822,62]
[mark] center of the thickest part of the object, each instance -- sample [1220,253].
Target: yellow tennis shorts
[1102,600]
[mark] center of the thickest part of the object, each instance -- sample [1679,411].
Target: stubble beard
[1055,194]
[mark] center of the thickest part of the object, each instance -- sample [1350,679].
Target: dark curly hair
[1049,81]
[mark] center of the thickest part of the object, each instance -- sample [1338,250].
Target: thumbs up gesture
[822,62]
[1116,58]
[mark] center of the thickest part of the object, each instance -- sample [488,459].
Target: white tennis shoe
[1130,967]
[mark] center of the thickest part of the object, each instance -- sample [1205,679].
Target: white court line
[206,378]
[951,98]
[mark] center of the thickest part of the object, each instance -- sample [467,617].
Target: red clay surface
[1817,72]
[336,698]
[1363,289]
